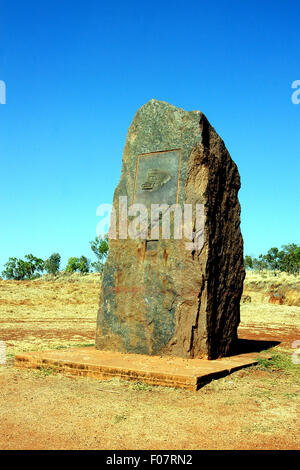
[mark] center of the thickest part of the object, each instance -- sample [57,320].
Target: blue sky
[75,74]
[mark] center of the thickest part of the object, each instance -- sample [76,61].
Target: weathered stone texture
[157,297]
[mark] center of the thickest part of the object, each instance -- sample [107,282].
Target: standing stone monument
[158,296]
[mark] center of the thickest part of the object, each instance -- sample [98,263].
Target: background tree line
[32,267]
[286,259]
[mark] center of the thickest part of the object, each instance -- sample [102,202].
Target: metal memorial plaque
[157,178]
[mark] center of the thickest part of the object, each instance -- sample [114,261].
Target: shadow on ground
[251,345]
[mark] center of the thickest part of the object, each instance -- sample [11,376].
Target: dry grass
[271,316]
[259,285]
[45,314]
[268,278]
[64,276]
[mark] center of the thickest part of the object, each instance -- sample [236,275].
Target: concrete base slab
[167,371]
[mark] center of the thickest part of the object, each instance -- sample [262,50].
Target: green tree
[273,259]
[259,264]
[291,258]
[83,265]
[100,248]
[285,259]
[14,269]
[19,269]
[34,266]
[72,265]
[248,262]
[52,263]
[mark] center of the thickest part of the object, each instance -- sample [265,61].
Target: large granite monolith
[157,296]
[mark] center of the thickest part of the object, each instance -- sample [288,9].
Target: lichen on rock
[157,297]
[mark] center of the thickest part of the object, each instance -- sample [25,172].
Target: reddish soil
[65,334]
[255,408]
[285,336]
[58,412]
[241,411]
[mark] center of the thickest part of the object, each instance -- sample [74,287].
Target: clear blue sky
[76,72]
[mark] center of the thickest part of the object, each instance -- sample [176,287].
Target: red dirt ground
[240,411]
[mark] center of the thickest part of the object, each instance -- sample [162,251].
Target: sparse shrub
[45,371]
[279,361]
[141,386]
[119,418]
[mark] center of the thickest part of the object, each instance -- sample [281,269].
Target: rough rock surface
[157,297]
